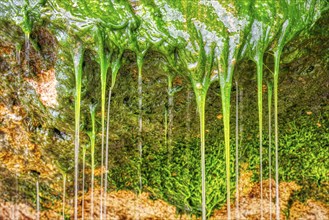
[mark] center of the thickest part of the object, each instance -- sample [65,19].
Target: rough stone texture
[21,211]
[249,199]
[311,210]
[121,205]
[21,154]
[45,87]
[127,205]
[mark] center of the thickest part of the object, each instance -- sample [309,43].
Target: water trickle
[92,137]
[189,19]
[107,151]
[84,148]
[64,194]
[38,200]
[225,80]
[77,56]
[201,100]
[241,106]
[166,126]
[15,201]
[105,62]
[260,39]
[188,113]
[170,115]
[200,92]
[27,52]
[140,119]
[115,67]
[18,53]
[12,212]
[104,68]
[259,64]
[269,100]
[276,133]
[277,55]
[237,150]
[294,21]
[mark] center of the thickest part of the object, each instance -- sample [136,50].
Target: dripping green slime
[201,41]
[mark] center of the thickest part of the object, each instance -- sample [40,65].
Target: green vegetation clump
[207,50]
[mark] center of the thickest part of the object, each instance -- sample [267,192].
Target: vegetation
[138,103]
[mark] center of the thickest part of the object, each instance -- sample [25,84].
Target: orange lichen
[219,116]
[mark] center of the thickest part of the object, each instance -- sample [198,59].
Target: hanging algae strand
[200,92]
[277,55]
[259,64]
[269,100]
[104,67]
[226,90]
[259,41]
[225,70]
[201,102]
[84,148]
[200,95]
[77,61]
[225,83]
[296,19]
[92,137]
[115,67]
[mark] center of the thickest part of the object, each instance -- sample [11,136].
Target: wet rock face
[37,99]
[18,153]
[28,93]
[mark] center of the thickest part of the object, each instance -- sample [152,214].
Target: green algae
[92,137]
[290,27]
[104,65]
[112,60]
[77,56]
[115,67]
[195,59]
[259,41]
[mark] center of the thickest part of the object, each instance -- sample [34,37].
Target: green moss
[202,43]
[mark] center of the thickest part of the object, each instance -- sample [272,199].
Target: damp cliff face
[132,80]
